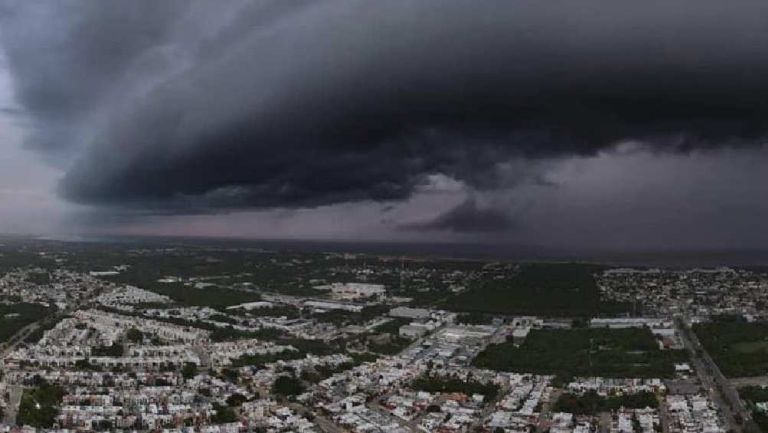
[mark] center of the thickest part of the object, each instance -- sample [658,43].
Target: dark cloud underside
[467,217]
[187,105]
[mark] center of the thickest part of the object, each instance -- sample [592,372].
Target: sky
[593,124]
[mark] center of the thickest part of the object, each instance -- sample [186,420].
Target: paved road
[13,404]
[719,388]
[545,419]
[203,354]
[663,415]
[327,425]
[739,382]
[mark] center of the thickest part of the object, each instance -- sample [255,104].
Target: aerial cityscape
[217,337]
[383,216]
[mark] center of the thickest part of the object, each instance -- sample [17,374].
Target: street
[725,396]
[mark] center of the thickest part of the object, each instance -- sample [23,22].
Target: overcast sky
[590,124]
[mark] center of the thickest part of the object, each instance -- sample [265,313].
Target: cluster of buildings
[693,413]
[61,288]
[635,421]
[663,328]
[94,338]
[689,293]
[132,359]
[607,386]
[621,421]
[353,291]
[519,409]
[564,422]
[128,298]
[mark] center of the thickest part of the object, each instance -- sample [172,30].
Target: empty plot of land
[739,348]
[584,352]
[549,289]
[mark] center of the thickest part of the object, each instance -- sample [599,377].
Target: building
[330,305]
[353,290]
[410,313]
[415,330]
[625,322]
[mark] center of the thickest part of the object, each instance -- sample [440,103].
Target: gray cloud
[467,217]
[186,106]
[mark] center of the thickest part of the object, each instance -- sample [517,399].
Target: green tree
[287,386]
[134,335]
[189,370]
[39,406]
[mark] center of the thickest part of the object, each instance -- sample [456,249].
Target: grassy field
[16,316]
[214,297]
[751,347]
[541,289]
[739,348]
[584,352]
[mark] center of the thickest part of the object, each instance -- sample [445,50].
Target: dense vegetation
[324,371]
[392,346]
[229,333]
[258,360]
[474,318]
[113,350]
[385,339]
[584,352]
[303,348]
[753,395]
[392,326]
[538,289]
[223,415]
[287,385]
[435,384]
[39,278]
[215,297]
[43,325]
[739,348]
[218,333]
[761,419]
[40,405]
[590,403]
[342,318]
[14,317]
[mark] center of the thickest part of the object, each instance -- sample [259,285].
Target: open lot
[548,289]
[739,348]
[215,297]
[584,352]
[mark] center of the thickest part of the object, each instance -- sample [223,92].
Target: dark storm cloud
[67,57]
[10,111]
[467,217]
[186,105]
